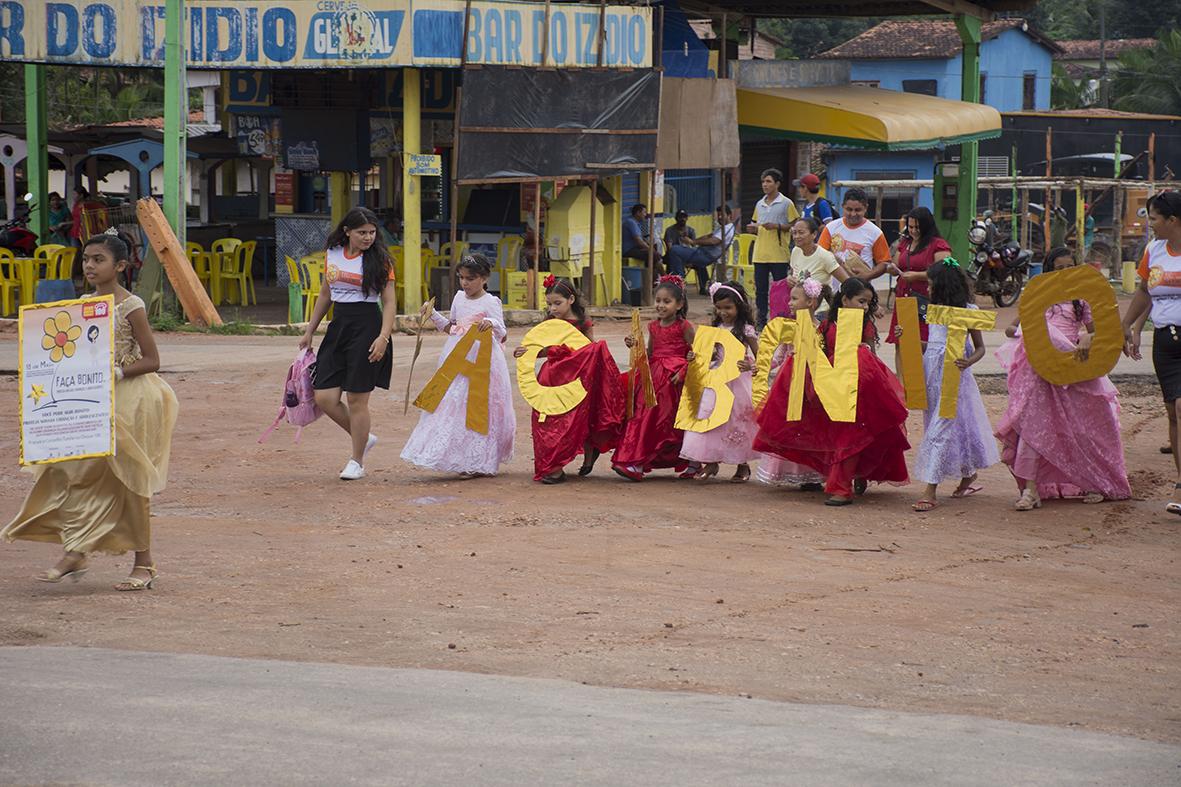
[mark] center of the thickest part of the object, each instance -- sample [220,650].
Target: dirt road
[1064,616]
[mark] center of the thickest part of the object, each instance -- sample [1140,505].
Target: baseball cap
[809,181]
[682,214]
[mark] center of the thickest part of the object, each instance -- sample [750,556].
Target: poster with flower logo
[67,380]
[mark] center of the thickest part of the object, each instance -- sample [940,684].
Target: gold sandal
[54,575]
[135,583]
[1028,501]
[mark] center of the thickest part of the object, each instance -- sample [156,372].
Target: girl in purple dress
[1061,440]
[952,448]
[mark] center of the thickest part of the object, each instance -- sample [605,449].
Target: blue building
[925,56]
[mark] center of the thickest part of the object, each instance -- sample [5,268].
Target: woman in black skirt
[355,356]
[1159,296]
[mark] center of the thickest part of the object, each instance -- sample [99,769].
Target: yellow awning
[865,117]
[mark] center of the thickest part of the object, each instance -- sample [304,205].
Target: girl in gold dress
[102,505]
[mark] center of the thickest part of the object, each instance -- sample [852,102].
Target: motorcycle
[998,268]
[16,235]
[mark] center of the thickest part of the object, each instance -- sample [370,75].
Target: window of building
[983,82]
[1029,91]
[866,82]
[926,87]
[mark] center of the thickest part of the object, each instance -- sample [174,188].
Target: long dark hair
[375,261]
[1048,265]
[733,291]
[568,290]
[118,243]
[851,288]
[949,285]
[928,229]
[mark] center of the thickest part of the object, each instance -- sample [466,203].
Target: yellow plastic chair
[398,258]
[61,264]
[451,253]
[508,255]
[46,265]
[313,269]
[9,282]
[743,271]
[236,268]
[225,245]
[429,260]
[199,259]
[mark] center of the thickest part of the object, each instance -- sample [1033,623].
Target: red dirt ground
[1064,616]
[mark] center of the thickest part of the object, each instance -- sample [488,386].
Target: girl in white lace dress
[442,441]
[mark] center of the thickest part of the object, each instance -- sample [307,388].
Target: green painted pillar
[176,115]
[37,164]
[969,29]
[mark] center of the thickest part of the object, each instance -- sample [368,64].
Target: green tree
[804,38]
[1067,92]
[1146,80]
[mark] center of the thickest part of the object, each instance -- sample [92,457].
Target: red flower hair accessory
[673,279]
[549,281]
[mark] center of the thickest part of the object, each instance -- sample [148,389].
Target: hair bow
[951,262]
[673,279]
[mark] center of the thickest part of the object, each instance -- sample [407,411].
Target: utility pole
[1103,91]
[37,163]
[176,115]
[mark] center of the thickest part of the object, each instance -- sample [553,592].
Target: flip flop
[923,506]
[971,490]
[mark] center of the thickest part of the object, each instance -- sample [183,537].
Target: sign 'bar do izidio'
[326,33]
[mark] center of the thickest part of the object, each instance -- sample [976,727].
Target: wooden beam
[962,7]
[163,240]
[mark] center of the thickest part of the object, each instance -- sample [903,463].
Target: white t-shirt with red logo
[857,248]
[1160,268]
[342,274]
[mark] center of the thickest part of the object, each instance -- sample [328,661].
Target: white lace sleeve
[495,315]
[441,322]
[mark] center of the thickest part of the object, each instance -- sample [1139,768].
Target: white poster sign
[67,380]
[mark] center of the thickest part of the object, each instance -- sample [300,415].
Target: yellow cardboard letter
[958,322]
[910,347]
[1082,283]
[549,399]
[779,331]
[477,373]
[699,377]
[836,382]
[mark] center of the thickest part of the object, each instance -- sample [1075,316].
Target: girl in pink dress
[731,442]
[1061,440]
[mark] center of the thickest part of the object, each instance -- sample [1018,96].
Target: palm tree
[1069,93]
[1146,80]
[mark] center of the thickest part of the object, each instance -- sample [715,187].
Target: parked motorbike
[998,267]
[16,235]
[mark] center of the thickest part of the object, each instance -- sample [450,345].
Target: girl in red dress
[650,440]
[848,454]
[594,426]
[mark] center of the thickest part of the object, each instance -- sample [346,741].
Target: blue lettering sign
[637,39]
[353,34]
[586,29]
[557,37]
[278,49]
[538,27]
[611,50]
[437,34]
[474,49]
[512,36]
[494,36]
[252,35]
[147,33]
[196,36]
[61,28]
[98,30]
[219,48]
[12,27]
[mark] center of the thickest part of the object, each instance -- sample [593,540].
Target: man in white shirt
[700,253]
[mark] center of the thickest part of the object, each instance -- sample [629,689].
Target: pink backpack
[299,397]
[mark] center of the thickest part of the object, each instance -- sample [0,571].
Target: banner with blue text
[221,34]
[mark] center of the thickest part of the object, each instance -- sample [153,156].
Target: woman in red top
[921,248]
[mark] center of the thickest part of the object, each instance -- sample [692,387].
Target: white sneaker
[372,441]
[352,471]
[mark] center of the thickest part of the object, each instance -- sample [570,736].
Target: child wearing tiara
[811,295]
[731,442]
[103,505]
[870,448]
[650,439]
[1061,440]
[952,448]
[441,440]
[595,424]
